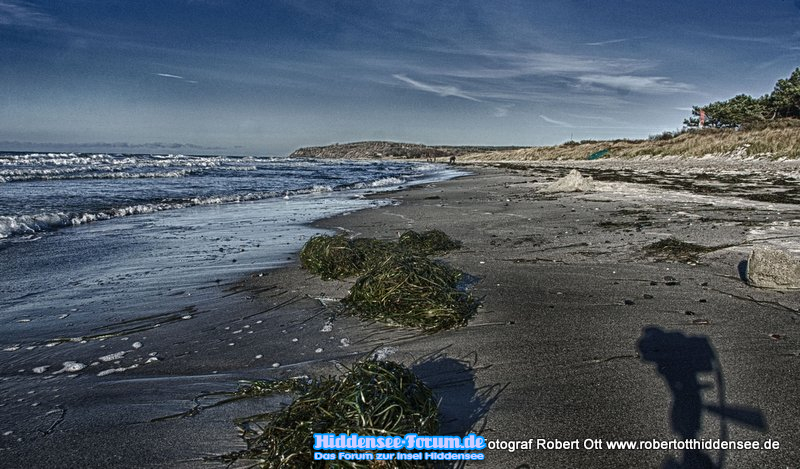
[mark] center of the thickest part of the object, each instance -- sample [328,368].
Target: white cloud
[640,84]
[603,43]
[176,77]
[441,90]
[554,121]
[167,75]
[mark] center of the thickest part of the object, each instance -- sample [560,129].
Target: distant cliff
[372,150]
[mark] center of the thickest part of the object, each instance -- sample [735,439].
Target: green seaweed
[427,243]
[331,257]
[676,250]
[412,291]
[373,398]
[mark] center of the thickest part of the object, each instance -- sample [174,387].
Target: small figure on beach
[452,159]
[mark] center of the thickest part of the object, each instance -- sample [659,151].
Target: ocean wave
[19,225]
[383,182]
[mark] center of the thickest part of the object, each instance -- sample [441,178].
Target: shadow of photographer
[689,366]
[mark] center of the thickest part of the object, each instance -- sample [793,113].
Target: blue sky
[265,77]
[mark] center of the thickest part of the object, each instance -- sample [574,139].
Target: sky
[265,77]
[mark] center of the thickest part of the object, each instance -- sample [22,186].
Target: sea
[90,239]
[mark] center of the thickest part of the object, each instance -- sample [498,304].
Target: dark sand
[567,291]
[553,352]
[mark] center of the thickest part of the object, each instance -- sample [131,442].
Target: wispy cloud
[441,90]
[167,75]
[778,42]
[176,77]
[502,110]
[554,121]
[639,84]
[22,14]
[731,37]
[610,41]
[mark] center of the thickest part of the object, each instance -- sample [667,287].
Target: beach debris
[41,369]
[676,250]
[773,268]
[412,291]
[371,398]
[598,154]
[572,182]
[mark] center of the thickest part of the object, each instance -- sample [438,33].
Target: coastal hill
[776,139]
[380,149]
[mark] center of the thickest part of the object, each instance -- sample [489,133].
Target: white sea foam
[112,356]
[30,224]
[384,182]
[70,367]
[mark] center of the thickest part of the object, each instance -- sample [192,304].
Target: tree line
[783,102]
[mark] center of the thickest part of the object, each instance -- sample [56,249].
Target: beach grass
[778,139]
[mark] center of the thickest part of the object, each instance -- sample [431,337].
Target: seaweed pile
[677,250]
[372,398]
[398,283]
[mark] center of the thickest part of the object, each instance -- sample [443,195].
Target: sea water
[88,240]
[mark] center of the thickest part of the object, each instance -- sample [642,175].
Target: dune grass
[777,139]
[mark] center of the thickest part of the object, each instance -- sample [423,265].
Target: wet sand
[557,351]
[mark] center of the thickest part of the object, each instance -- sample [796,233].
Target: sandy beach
[558,350]
[584,334]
